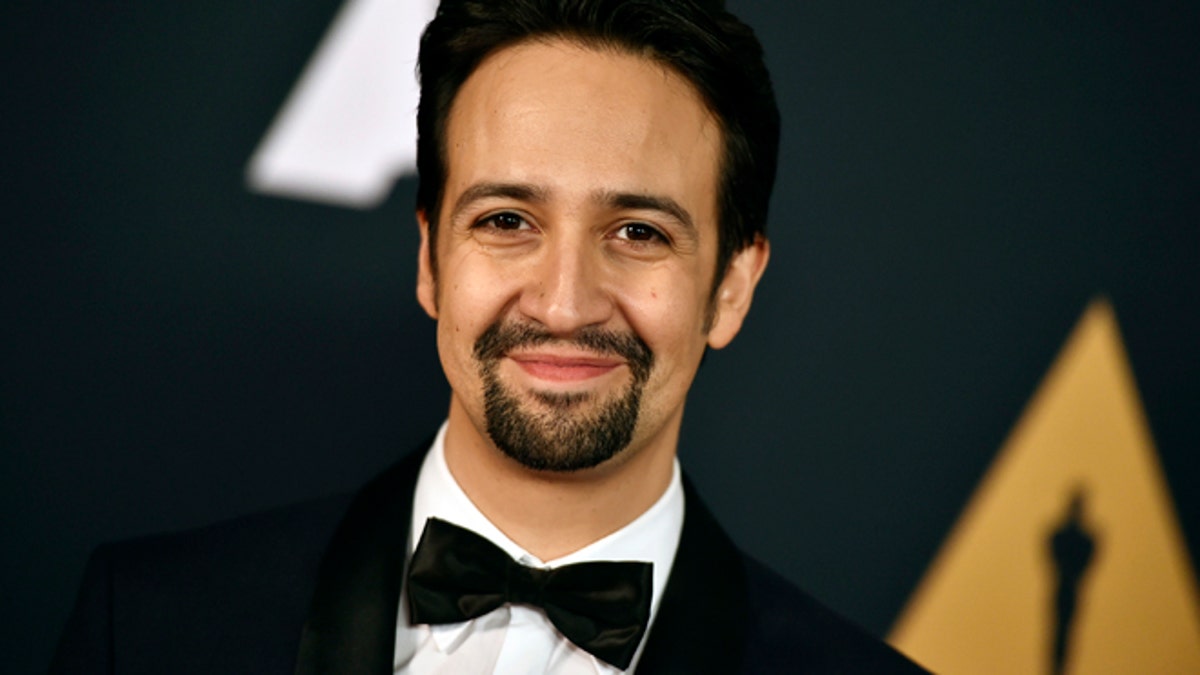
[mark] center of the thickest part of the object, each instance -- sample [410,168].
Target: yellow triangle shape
[1075,494]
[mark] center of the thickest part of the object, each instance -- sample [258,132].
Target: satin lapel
[701,621]
[351,626]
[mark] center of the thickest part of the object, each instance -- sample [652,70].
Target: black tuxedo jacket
[315,588]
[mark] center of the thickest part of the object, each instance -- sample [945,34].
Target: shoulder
[160,603]
[788,626]
[240,550]
[155,602]
[776,627]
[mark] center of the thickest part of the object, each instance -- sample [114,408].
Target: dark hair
[706,45]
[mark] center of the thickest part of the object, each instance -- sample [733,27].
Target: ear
[733,297]
[426,283]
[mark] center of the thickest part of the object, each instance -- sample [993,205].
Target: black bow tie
[456,575]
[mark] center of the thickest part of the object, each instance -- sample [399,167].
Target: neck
[552,514]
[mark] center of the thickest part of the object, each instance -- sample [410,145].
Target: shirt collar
[652,537]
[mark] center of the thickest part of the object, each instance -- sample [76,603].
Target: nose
[567,287]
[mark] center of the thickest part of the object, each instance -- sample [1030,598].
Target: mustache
[502,337]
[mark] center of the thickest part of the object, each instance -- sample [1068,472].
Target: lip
[565,368]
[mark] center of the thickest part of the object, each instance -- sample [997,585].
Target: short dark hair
[717,53]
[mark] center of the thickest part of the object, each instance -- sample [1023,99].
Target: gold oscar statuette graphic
[1068,559]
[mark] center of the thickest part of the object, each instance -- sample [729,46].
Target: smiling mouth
[562,365]
[554,368]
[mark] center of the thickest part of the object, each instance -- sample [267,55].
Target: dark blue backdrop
[957,181]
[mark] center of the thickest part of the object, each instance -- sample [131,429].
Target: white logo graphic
[348,129]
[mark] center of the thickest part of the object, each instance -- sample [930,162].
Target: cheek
[668,316]
[467,305]
[472,291]
[454,350]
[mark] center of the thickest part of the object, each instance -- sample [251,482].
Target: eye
[641,233]
[504,220]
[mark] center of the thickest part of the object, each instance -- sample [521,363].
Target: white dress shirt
[515,638]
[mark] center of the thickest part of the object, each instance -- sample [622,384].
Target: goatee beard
[563,436]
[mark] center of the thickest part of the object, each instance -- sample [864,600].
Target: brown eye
[505,221]
[640,232]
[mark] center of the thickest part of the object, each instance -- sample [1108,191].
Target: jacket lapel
[701,622]
[351,626]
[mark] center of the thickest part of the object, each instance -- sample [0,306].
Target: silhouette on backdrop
[1072,547]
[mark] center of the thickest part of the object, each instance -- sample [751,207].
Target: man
[594,183]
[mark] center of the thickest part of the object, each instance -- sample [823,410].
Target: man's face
[576,249]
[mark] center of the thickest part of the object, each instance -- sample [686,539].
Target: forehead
[573,119]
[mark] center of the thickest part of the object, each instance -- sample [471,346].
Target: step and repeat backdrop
[963,411]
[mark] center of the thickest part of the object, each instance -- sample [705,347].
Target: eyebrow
[628,200]
[520,191]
